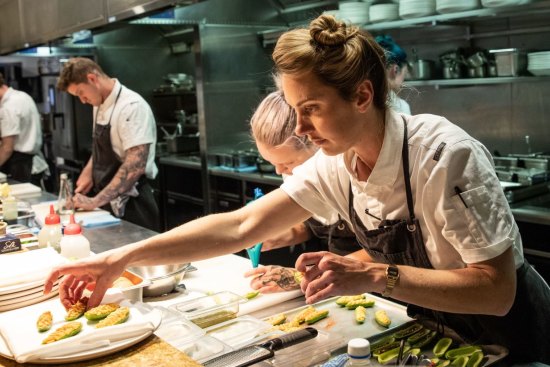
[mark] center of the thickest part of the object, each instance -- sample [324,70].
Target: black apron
[18,166]
[525,330]
[141,210]
[339,238]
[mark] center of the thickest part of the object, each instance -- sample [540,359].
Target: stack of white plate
[451,6]
[384,12]
[22,295]
[539,63]
[416,8]
[498,3]
[356,12]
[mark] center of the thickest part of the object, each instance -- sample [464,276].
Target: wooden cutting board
[153,352]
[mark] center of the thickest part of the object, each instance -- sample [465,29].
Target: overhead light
[138,9]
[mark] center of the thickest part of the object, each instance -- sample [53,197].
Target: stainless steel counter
[534,210]
[108,237]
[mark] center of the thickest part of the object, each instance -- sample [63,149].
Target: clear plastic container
[212,309]
[240,331]
[205,348]
[309,353]
[177,330]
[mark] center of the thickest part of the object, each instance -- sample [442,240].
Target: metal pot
[423,69]
[452,71]
[163,278]
[182,144]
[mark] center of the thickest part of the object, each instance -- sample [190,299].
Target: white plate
[22,287]
[24,295]
[29,302]
[139,310]
[497,3]
[444,7]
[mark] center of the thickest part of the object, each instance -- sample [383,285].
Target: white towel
[18,329]
[29,267]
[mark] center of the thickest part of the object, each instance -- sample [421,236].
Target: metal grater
[241,358]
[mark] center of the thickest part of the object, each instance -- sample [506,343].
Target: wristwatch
[392,277]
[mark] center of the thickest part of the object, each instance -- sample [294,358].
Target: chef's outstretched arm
[129,172]
[206,237]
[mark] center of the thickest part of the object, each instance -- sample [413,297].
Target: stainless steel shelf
[474,81]
[535,8]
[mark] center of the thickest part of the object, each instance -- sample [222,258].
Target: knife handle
[290,339]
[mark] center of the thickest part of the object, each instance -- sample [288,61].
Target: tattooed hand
[84,202]
[272,279]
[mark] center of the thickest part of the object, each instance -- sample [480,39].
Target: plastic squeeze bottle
[50,234]
[73,244]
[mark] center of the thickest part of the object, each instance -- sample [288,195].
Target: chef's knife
[247,356]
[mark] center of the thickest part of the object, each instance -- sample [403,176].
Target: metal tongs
[410,359]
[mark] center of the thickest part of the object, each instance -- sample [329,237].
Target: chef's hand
[101,269]
[272,279]
[84,202]
[328,274]
[85,182]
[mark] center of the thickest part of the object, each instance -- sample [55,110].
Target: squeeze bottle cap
[72,227]
[52,218]
[359,348]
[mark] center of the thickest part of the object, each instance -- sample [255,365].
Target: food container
[510,61]
[131,285]
[240,331]
[204,348]
[309,353]
[163,278]
[264,166]
[176,330]
[212,309]
[423,69]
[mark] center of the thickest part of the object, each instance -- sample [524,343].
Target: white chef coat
[132,124]
[398,104]
[453,234]
[19,116]
[325,216]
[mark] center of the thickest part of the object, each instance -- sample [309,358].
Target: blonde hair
[274,123]
[340,55]
[76,71]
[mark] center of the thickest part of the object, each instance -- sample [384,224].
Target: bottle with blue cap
[358,352]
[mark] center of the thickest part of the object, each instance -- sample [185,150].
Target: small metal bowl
[163,278]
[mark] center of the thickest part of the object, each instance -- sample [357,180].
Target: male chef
[20,132]
[123,145]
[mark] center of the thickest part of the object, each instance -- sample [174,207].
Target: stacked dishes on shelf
[384,12]
[23,275]
[499,3]
[17,296]
[539,63]
[355,12]
[416,8]
[451,6]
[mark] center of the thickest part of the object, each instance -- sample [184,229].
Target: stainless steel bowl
[163,278]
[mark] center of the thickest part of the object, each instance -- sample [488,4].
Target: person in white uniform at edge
[123,145]
[20,131]
[273,126]
[449,245]
[396,69]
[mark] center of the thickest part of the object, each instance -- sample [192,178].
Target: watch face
[392,272]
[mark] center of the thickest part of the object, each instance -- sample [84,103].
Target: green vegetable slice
[460,361]
[475,359]
[391,354]
[462,351]
[441,346]
[405,333]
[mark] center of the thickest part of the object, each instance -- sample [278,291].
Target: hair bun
[327,31]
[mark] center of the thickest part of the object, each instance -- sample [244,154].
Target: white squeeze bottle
[74,245]
[50,234]
[358,352]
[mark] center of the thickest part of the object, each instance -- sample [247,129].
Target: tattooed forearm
[127,175]
[283,277]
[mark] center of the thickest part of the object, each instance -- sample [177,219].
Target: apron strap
[405,155]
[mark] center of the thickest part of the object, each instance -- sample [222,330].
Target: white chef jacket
[19,116]
[132,124]
[325,216]
[442,156]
